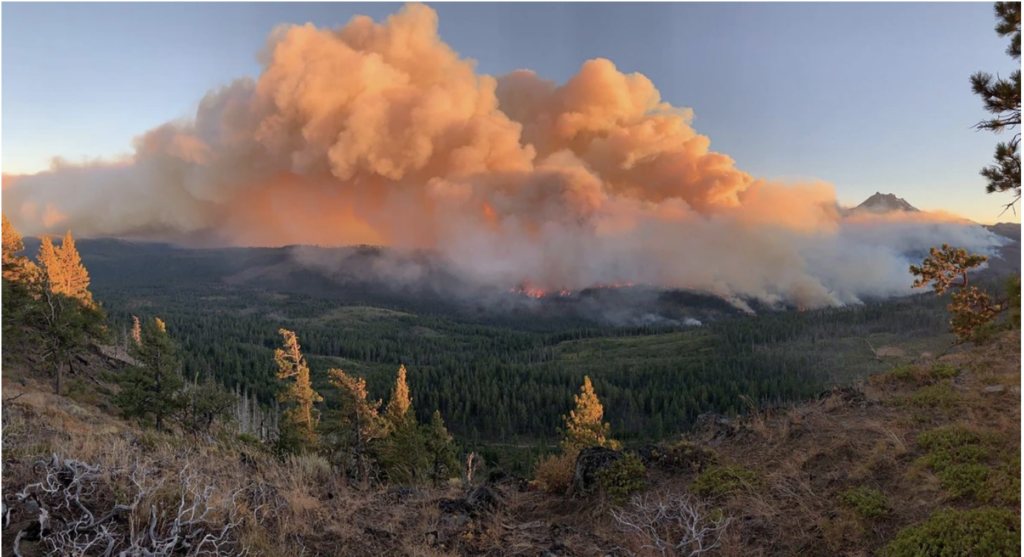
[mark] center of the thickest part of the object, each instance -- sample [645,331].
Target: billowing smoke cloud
[379,133]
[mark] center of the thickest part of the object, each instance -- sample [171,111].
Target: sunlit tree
[946,270]
[302,418]
[584,426]
[356,423]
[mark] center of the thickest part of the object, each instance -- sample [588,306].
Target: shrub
[903,373]
[965,481]
[908,373]
[249,439]
[940,395]
[555,472]
[722,480]
[684,456]
[868,502]
[943,371]
[623,478]
[310,469]
[961,457]
[952,533]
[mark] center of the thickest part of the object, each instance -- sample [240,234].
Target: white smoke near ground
[379,133]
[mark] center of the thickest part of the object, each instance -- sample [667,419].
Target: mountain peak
[885,203]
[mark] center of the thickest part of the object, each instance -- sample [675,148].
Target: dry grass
[804,458]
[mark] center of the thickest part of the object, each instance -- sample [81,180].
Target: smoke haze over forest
[379,133]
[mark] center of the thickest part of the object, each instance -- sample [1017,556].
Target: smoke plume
[379,133]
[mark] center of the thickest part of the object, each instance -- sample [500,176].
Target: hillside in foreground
[920,456]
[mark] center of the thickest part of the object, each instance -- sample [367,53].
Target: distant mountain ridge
[885,203]
[1009,230]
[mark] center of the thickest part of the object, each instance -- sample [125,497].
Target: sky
[868,97]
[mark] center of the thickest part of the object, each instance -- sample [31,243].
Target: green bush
[722,480]
[903,373]
[965,481]
[952,533]
[249,439]
[941,395]
[943,371]
[623,478]
[683,456]
[962,459]
[868,502]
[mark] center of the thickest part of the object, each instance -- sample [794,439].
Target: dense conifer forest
[498,376]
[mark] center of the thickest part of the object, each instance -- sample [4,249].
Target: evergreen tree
[74,280]
[64,319]
[355,425]
[1002,98]
[583,425]
[15,267]
[203,403]
[400,402]
[151,389]
[136,330]
[403,454]
[300,421]
[63,270]
[441,450]
[17,273]
[970,307]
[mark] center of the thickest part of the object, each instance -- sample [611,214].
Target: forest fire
[531,291]
[395,139]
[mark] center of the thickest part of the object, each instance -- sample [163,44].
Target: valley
[502,368]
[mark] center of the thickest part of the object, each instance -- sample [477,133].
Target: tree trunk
[60,377]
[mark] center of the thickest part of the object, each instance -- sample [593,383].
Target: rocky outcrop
[588,464]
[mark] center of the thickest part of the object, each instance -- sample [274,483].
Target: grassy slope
[801,459]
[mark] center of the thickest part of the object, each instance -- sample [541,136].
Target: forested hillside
[502,374]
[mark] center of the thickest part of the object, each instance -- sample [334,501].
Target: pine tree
[18,272]
[62,320]
[356,424]
[1002,98]
[400,402]
[136,330]
[583,425]
[301,420]
[403,454]
[14,266]
[971,309]
[63,270]
[74,278]
[441,449]
[203,403]
[151,389]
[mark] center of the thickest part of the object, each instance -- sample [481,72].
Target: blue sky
[868,96]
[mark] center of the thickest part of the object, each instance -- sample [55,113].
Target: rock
[483,500]
[994,389]
[713,427]
[486,500]
[591,461]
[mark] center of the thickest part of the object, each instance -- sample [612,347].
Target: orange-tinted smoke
[380,133]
